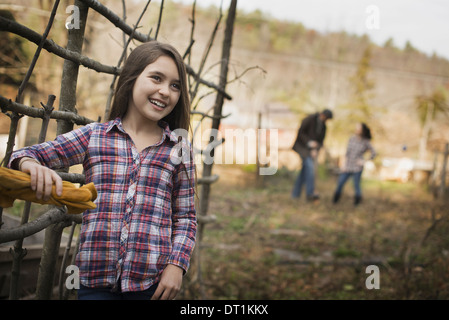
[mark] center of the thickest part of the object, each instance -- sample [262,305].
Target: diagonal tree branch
[116,20]
[207,83]
[38,51]
[51,46]
[161,9]
[50,217]
[206,52]
[122,58]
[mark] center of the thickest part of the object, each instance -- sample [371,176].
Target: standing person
[138,241]
[309,141]
[358,144]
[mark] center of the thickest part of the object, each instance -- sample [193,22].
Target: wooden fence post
[67,102]
[226,53]
[18,253]
[207,168]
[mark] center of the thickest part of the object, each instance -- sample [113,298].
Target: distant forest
[299,68]
[257,31]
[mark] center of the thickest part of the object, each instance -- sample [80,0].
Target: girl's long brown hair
[136,62]
[366,132]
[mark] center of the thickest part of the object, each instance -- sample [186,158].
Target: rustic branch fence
[55,220]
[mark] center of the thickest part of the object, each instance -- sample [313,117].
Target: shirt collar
[167,133]
[117,122]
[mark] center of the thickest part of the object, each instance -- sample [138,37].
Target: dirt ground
[265,245]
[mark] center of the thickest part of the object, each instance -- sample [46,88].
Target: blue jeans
[307,177]
[356,177]
[86,293]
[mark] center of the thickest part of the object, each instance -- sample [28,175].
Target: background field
[264,245]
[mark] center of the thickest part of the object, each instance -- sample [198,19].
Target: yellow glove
[16,184]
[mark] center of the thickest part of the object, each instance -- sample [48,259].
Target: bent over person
[308,142]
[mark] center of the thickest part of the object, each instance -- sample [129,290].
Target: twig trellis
[55,219]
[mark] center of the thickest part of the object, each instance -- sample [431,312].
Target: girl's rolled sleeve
[66,150]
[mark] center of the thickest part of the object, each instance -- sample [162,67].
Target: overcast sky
[425,23]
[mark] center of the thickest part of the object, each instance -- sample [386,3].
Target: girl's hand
[312,144]
[42,178]
[170,283]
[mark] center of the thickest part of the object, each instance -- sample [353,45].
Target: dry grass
[265,245]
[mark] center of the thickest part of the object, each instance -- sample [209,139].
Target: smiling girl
[138,241]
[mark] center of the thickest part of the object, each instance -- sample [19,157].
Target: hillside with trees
[279,62]
[307,70]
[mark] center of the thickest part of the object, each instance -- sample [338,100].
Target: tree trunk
[426,131]
[67,100]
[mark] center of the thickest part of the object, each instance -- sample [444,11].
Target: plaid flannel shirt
[354,153]
[145,216]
